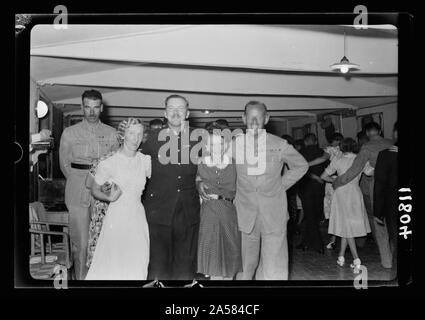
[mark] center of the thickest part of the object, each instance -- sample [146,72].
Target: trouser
[380,234]
[361,241]
[79,221]
[312,202]
[264,254]
[392,228]
[173,249]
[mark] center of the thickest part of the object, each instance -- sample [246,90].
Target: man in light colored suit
[260,201]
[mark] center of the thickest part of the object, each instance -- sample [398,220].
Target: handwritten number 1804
[405,210]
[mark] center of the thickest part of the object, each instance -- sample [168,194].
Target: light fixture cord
[344,44]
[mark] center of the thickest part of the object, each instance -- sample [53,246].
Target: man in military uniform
[171,200]
[80,146]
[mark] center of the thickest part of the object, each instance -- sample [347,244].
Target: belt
[218,197]
[224,198]
[81,166]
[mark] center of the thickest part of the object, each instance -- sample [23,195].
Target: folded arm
[319,160]
[355,169]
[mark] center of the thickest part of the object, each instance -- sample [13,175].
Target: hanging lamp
[344,66]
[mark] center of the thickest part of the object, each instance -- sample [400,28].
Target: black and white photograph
[213,155]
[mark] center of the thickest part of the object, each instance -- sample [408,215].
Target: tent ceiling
[218,67]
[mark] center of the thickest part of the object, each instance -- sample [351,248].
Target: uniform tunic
[261,205]
[84,144]
[172,207]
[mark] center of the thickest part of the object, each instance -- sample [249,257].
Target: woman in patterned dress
[98,212]
[219,247]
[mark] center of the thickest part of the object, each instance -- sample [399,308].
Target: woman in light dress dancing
[348,218]
[122,250]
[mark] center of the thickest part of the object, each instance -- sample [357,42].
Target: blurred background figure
[156,124]
[312,191]
[291,194]
[299,144]
[332,151]
[364,184]
[219,124]
[385,193]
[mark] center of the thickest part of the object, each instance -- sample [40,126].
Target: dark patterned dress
[219,248]
[98,211]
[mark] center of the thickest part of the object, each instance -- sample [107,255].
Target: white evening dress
[122,250]
[348,218]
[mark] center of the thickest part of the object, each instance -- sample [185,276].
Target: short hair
[124,125]
[288,138]
[255,103]
[310,137]
[156,122]
[176,96]
[215,125]
[222,122]
[372,126]
[337,137]
[362,135]
[92,95]
[348,145]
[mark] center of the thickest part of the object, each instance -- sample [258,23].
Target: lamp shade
[41,109]
[344,66]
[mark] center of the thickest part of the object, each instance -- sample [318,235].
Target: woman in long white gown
[122,250]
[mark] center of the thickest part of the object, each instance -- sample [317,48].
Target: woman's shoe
[341,261]
[356,265]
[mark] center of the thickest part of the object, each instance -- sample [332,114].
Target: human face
[133,137]
[255,118]
[92,109]
[372,133]
[176,112]
[308,142]
[217,146]
[156,127]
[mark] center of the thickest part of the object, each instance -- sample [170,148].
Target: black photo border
[175,290]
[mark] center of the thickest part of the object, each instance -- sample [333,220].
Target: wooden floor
[307,265]
[310,265]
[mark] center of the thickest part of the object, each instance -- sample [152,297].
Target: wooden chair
[48,248]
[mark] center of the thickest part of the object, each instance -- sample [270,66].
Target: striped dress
[219,247]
